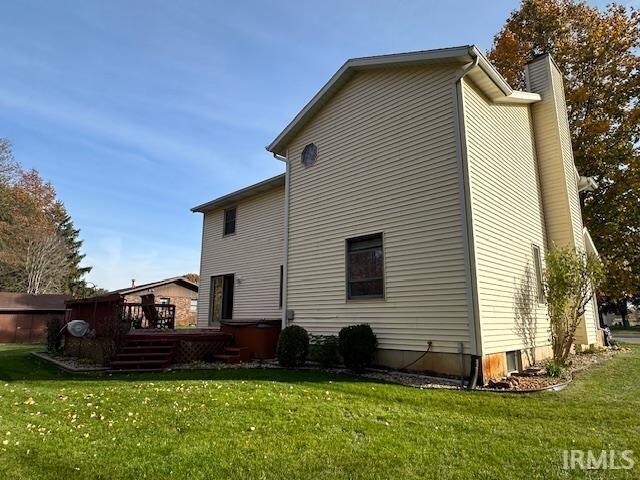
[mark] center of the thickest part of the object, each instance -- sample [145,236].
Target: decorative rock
[503,384]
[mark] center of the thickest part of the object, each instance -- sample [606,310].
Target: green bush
[555,369]
[54,335]
[293,346]
[324,349]
[357,344]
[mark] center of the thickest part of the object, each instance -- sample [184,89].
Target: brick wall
[184,316]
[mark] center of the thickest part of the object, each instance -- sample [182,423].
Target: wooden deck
[187,334]
[153,350]
[148,350]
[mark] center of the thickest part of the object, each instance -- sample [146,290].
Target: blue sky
[137,110]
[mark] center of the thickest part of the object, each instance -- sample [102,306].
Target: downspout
[285,261]
[472,291]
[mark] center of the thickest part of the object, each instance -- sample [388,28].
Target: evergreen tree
[74,283]
[39,245]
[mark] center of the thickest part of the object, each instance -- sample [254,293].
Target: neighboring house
[176,291]
[421,191]
[24,317]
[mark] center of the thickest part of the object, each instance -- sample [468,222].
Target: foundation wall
[494,366]
[432,362]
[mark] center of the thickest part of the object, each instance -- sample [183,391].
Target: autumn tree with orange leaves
[39,248]
[598,52]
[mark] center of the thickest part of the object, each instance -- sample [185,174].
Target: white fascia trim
[518,96]
[344,73]
[510,95]
[463,54]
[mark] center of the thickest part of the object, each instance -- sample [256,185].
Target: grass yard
[288,424]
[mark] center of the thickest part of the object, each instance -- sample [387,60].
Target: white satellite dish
[78,328]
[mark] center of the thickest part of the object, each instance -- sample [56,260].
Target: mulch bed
[532,380]
[537,378]
[408,379]
[71,364]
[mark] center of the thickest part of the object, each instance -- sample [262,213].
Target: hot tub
[259,336]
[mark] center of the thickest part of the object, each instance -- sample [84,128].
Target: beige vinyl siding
[507,215]
[557,169]
[386,164]
[254,254]
[551,162]
[587,335]
[567,156]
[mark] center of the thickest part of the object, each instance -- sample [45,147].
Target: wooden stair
[155,352]
[234,355]
[140,354]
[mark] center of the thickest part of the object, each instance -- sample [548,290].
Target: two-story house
[420,194]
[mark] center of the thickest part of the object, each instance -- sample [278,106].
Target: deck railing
[143,316]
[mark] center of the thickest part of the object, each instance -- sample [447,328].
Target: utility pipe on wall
[285,260]
[474,327]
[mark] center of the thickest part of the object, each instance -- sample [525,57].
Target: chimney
[557,171]
[133,282]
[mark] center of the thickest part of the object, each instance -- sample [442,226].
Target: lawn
[291,424]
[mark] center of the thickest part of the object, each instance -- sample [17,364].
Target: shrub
[293,346]
[54,335]
[555,369]
[324,349]
[357,344]
[570,280]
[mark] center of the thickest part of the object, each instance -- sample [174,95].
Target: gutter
[480,60]
[469,249]
[285,261]
[510,95]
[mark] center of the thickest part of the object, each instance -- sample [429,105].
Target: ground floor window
[513,361]
[365,267]
[193,306]
[537,263]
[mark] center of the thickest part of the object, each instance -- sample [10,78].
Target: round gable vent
[309,155]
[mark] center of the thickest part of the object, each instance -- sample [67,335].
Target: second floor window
[230,221]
